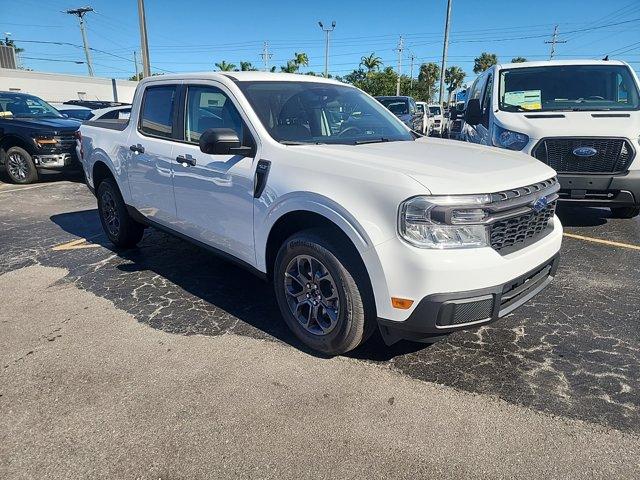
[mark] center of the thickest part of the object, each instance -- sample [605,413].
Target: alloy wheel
[110,213]
[312,294]
[17,166]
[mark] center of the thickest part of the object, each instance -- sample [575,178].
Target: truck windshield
[567,88]
[309,112]
[434,110]
[26,106]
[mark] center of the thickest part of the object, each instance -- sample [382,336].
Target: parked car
[359,225]
[112,113]
[405,109]
[96,104]
[74,111]
[34,136]
[581,117]
[455,121]
[437,119]
[423,108]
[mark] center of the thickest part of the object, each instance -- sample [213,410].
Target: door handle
[137,148]
[186,160]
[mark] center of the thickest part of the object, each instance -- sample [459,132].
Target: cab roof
[254,76]
[546,63]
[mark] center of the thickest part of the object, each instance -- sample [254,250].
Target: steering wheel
[349,129]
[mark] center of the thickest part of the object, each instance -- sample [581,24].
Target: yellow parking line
[603,242]
[75,245]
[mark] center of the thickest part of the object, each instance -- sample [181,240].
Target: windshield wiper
[371,140]
[292,142]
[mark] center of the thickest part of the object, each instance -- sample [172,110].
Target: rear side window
[156,118]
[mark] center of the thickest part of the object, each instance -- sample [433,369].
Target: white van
[580,117]
[437,119]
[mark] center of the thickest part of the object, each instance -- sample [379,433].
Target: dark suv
[34,136]
[405,109]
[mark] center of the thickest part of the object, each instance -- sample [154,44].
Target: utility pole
[554,40]
[327,31]
[266,56]
[445,47]
[144,44]
[135,62]
[412,57]
[400,49]
[80,13]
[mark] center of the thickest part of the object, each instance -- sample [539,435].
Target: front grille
[614,155]
[517,232]
[472,311]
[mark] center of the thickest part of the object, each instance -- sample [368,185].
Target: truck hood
[445,167]
[52,125]
[572,124]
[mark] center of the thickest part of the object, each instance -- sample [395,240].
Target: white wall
[54,87]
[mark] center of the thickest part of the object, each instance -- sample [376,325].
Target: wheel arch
[11,140]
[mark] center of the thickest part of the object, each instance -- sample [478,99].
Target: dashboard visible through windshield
[313,113]
[568,88]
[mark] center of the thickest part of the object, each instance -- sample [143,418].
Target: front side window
[568,88]
[486,101]
[397,106]
[26,106]
[310,112]
[156,118]
[420,108]
[209,107]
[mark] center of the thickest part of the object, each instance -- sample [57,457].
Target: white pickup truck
[315,186]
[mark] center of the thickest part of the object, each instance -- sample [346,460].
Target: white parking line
[8,189]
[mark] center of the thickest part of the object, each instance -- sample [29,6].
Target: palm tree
[223,66]
[518,60]
[247,67]
[453,77]
[371,62]
[429,74]
[301,59]
[290,67]
[484,61]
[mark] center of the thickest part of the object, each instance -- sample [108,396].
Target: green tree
[484,61]
[247,67]
[223,66]
[290,67]
[518,60]
[454,78]
[301,59]
[371,62]
[428,76]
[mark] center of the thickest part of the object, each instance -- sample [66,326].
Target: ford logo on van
[540,204]
[584,152]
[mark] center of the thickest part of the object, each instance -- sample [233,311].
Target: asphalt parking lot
[572,354]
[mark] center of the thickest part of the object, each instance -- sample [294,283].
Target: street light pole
[146,66]
[80,13]
[327,31]
[444,50]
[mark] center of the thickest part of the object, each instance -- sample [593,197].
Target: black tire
[20,166]
[625,212]
[355,310]
[122,230]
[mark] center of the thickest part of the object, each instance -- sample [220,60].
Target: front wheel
[323,293]
[625,212]
[20,166]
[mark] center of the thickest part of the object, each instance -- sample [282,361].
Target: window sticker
[527,99]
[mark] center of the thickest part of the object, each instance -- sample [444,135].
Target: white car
[437,118]
[581,117]
[423,108]
[357,222]
[121,112]
[75,112]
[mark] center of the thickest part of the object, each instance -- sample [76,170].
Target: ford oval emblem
[584,152]
[540,204]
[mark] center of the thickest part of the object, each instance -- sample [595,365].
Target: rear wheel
[122,230]
[323,293]
[20,166]
[625,212]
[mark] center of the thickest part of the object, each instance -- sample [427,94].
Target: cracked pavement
[574,351]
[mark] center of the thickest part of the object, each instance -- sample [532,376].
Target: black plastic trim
[427,322]
[141,218]
[625,188]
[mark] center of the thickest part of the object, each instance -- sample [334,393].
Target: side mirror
[473,113]
[222,141]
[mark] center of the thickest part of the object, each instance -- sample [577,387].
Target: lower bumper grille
[612,155]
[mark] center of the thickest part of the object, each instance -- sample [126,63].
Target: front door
[150,155]
[214,193]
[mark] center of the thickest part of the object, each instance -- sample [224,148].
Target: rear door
[214,193]
[150,155]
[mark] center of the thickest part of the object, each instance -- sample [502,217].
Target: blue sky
[191,35]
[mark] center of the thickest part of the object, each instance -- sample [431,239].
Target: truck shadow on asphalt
[583,216]
[177,287]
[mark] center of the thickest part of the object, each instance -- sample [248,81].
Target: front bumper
[440,314]
[621,190]
[56,161]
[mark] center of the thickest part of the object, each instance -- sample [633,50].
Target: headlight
[46,140]
[504,138]
[423,224]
